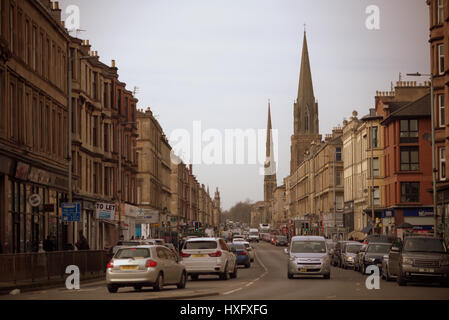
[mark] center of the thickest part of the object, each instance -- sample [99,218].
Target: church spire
[305,89]
[269,142]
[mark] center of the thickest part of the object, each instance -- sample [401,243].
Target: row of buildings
[66,118]
[373,173]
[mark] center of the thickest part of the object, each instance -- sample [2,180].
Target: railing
[50,265]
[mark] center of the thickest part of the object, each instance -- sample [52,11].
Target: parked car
[374,254]
[241,253]
[379,238]
[385,273]
[141,266]
[308,255]
[249,249]
[238,239]
[281,241]
[359,257]
[349,251]
[125,243]
[205,256]
[419,258]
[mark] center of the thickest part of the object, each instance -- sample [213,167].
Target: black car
[337,255]
[281,241]
[375,251]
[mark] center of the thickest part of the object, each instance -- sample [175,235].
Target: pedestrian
[132,238]
[48,244]
[82,243]
[1,248]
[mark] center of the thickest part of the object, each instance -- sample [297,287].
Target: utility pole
[372,178]
[69,142]
[119,187]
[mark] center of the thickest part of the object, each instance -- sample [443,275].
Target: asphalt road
[266,279]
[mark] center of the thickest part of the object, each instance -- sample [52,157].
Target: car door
[229,255]
[172,266]
[162,260]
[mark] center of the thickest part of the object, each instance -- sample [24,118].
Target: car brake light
[215,254]
[110,265]
[242,253]
[150,264]
[184,255]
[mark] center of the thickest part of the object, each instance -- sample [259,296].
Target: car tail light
[150,264]
[110,265]
[215,254]
[242,253]
[184,255]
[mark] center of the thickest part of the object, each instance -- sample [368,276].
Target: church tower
[270,181]
[306,126]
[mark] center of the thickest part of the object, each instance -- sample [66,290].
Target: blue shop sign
[388,214]
[419,212]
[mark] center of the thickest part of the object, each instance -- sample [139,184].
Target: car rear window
[282,238]
[378,248]
[353,248]
[237,246]
[135,253]
[200,245]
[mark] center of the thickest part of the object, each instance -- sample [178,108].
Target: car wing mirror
[286,250]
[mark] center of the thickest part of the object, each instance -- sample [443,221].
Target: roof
[417,108]
[202,239]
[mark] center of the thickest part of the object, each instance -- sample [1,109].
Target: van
[308,255]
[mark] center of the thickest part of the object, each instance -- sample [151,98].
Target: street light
[434,170]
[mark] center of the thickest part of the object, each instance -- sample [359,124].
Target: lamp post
[434,170]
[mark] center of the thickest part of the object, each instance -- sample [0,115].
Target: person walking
[82,243]
[48,244]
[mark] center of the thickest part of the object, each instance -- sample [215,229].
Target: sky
[219,62]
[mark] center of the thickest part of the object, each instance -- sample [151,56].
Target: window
[441,58]
[340,202]
[376,196]
[338,154]
[441,114]
[95,132]
[42,56]
[27,42]
[440,16]
[376,169]
[34,48]
[95,85]
[442,157]
[339,181]
[409,158]
[408,131]
[409,191]
[106,137]
[11,28]
[374,131]
[306,122]
[2,97]
[13,111]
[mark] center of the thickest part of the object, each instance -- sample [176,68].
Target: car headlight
[349,258]
[370,259]
[445,263]
[407,261]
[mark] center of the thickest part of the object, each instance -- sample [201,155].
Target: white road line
[229,292]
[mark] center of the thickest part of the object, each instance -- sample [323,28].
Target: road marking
[229,292]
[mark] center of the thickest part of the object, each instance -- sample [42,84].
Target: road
[265,280]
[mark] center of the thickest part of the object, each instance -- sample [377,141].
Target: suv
[374,254]
[419,258]
[206,256]
[349,253]
[308,255]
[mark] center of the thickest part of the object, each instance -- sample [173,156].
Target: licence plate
[198,255]
[129,267]
[302,270]
[427,270]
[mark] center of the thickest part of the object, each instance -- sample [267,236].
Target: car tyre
[159,285]
[234,274]
[247,265]
[138,288]
[194,277]
[112,288]
[289,275]
[401,280]
[327,276]
[225,274]
[387,274]
[182,282]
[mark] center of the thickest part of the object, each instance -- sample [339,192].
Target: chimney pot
[113,63]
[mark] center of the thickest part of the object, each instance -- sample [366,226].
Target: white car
[208,256]
[248,248]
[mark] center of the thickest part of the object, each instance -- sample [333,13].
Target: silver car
[350,250]
[147,265]
[308,255]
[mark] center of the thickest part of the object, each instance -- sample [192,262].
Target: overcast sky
[220,62]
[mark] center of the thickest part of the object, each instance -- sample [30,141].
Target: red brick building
[407,150]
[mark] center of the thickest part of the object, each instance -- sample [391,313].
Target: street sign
[71,212]
[35,200]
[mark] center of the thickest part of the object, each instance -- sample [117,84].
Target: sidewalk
[27,286]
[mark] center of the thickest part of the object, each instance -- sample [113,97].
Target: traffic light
[197,225]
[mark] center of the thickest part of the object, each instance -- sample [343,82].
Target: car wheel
[159,285]
[327,276]
[182,282]
[387,274]
[247,265]
[112,288]
[401,280]
[194,277]
[138,288]
[225,274]
[289,275]
[362,269]
[234,274]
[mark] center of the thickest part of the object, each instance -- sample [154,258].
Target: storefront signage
[388,214]
[49,207]
[147,216]
[39,176]
[425,212]
[35,200]
[105,211]
[71,212]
